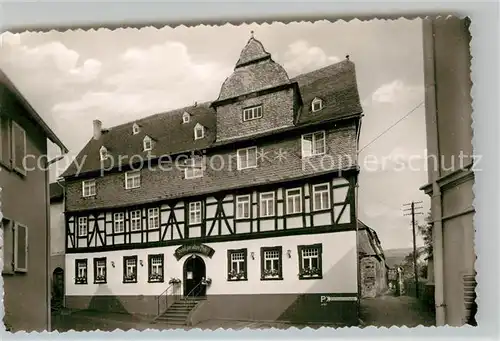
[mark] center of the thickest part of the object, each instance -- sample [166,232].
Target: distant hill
[394,257]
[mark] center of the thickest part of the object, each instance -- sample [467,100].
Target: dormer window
[135,129]
[185,117]
[147,143]
[199,131]
[103,153]
[317,104]
[252,113]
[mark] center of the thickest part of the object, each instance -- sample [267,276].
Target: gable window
[267,204]
[132,179]
[310,266]
[237,265]
[135,220]
[316,105]
[294,201]
[119,222]
[130,269]
[18,147]
[88,188]
[99,270]
[313,144]
[135,129]
[153,218]
[252,113]
[195,213]
[321,197]
[147,143]
[103,153]
[155,268]
[247,158]
[271,263]
[185,117]
[243,207]
[20,248]
[194,168]
[82,226]
[80,271]
[199,131]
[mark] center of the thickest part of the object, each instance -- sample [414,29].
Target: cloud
[395,91]
[301,57]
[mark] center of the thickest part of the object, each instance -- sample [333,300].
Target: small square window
[317,105]
[194,168]
[88,188]
[147,143]
[132,179]
[199,132]
[252,113]
[247,158]
[313,144]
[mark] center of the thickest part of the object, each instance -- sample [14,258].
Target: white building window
[132,179]
[195,213]
[103,152]
[147,143]
[199,131]
[153,218]
[267,204]
[119,222]
[294,201]
[243,207]
[310,261]
[155,268]
[271,263]
[321,197]
[135,129]
[247,158]
[130,269]
[185,117]
[80,271]
[88,188]
[99,270]
[194,168]
[317,105]
[237,267]
[82,226]
[252,113]
[20,248]
[313,144]
[135,220]
[18,147]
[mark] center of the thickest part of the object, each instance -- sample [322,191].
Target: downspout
[429,48]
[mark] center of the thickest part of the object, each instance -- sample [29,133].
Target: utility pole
[413,209]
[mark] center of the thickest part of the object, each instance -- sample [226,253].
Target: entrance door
[194,272]
[57,289]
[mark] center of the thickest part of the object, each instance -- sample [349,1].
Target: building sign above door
[203,249]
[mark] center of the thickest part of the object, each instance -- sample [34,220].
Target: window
[103,153]
[247,158]
[267,204]
[155,268]
[185,117]
[7,227]
[5,141]
[18,147]
[147,143]
[310,261]
[321,197]
[88,188]
[80,271]
[20,248]
[313,144]
[237,265]
[271,263]
[82,226]
[316,105]
[252,113]
[153,218]
[199,131]
[130,269]
[132,179]
[294,201]
[243,207]
[135,129]
[194,168]
[119,222]
[99,270]
[195,213]
[135,220]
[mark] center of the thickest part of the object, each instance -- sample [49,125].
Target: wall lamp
[141,262]
[113,264]
[289,253]
[252,254]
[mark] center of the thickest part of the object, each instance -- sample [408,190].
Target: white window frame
[194,168]
[79,226]
[83,266]
[89,184]
[317,101]
[120,220]
[311,150]
[307,253]
[153,218]
[135,129]
[102,267]
[14,147]
[238,258]
[131,268]
[185,117]
[253,113]
[135,221]
[264,202]
[243,200]
[16,247]
[288,195]
[199,128]
[147,144]
[315,191]
[103,153]
[195,212]
[135,179]
[246,156]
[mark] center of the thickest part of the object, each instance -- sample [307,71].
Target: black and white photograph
[307,174]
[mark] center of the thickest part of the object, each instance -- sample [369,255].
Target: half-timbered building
[248,202]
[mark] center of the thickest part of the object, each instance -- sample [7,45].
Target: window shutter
[19,146]
[20,248]
[8,246]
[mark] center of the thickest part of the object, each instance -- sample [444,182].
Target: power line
[413,212]
[385,131]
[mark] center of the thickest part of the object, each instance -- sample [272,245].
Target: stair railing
[192,292]
[163,298]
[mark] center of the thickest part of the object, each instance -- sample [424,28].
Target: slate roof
[56,192]
[368,241]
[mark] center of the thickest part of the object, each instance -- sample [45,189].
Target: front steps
[178,313]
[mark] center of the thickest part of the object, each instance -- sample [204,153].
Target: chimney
[97,129]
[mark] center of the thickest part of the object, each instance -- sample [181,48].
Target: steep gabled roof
[56,192]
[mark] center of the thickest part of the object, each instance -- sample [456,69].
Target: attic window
[185,117]
[135,129]
[317,105]
[104,153]
[199,131]
[147,143]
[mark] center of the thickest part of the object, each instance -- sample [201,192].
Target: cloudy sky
[74,77]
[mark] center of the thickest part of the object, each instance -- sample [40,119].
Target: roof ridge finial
[251,34]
